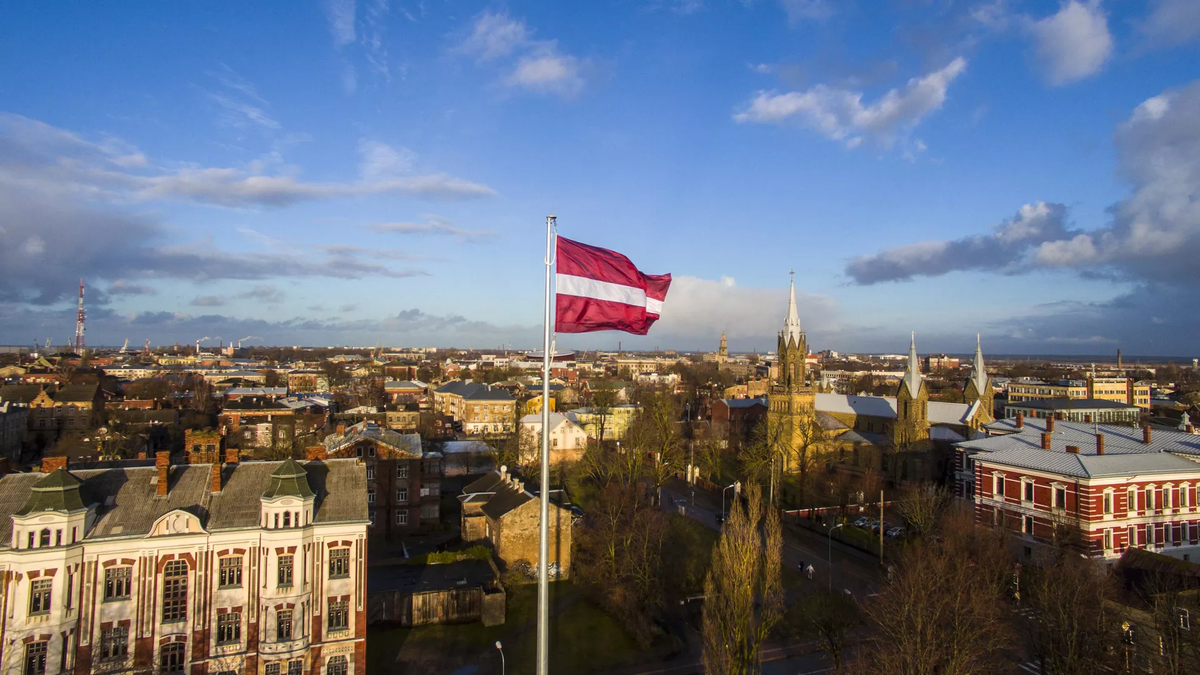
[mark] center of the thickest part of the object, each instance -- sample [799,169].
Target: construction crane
[252,337]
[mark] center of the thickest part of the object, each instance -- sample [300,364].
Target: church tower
[792,402]
[979,388]
[723,351]
[912,404]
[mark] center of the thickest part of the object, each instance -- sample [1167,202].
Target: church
[902,439]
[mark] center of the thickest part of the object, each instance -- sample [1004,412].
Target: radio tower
[79,319]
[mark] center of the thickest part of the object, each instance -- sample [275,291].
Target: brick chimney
[315,453]
[1046,441]
[231,455]
[216,478]
[162,461]
[50,464]
[341,428]
[1191,428]
[1146,434]
[1020,420]
[1050,425]
[1073,449]
[1099,444]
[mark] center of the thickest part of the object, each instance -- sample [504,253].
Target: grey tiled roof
[475,391]
[1091,466]
[20,393]
[406,444]
[127,504]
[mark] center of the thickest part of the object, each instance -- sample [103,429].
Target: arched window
[45,538]
[337,666]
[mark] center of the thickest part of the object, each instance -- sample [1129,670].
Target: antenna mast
[79,319]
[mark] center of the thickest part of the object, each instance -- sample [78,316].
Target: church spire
[978,372]
[791,325]
[912,378]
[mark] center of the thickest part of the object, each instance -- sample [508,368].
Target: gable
[175,522]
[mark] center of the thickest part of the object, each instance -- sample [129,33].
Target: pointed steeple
[912,378]
[978,372]
[791,325]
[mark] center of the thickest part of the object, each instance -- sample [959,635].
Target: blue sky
[342,172]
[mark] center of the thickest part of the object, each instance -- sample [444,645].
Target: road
[852,569]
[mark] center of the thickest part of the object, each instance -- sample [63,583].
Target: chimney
[1058,415]
[1050,425]
[1191,428]
[1020,420]
[341,429]
[1073,449]
[315,453]
[162,461]
[1045,441]
[50,464]
[216,477]
[1099,444]
[1087,418]
[231,455]
[1146,434]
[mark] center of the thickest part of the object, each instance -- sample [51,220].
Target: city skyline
[358,173]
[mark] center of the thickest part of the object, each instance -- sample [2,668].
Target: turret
[979,386]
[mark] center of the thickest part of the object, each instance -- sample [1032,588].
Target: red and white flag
[599,289]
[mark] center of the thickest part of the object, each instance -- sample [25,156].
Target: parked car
[876,526]
[862,522]
[895,532]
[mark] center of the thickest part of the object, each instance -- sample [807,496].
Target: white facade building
[254,568]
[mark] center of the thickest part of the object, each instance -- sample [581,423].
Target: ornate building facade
[254,568]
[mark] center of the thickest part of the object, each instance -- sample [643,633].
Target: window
[117,582]
[370,473]
[1131,504]
[402,517]
[114,642]
[1108,500]
[229,627]
[1150,535]
[35,658]
[283,625]
[272,669]
[371,517]
[285,570]
[1107,540]
[1185,619]
[402,470]
[337,666]
[1027,524]
[1149,499]
[295,667]
[171,658]
[1060,497]
[1027,487]
[402,495]
[998,485]
[339,615]
[45,538]
[175,592]
[231,571]
[371,451]
[370,495]
[39,596]
[287,518]
[339,563]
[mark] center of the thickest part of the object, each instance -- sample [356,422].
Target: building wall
[515,537]
[80,612]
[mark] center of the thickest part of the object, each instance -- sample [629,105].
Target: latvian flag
[599,289]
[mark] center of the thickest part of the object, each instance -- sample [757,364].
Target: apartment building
[1116,389]
[250,568]
[481,409]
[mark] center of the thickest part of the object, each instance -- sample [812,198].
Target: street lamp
[500,648]
[829,536]
[737,487]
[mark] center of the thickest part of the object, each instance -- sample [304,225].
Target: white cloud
[1074,43]
[239,103]
[799,11]
[540,66]
[380,160]
[341,20]
[494,36]
[1172,22]
[840,114]
[547,72]
[433,224]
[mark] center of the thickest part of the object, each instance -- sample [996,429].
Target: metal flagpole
[543,627]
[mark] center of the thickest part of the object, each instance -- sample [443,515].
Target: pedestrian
[808,571]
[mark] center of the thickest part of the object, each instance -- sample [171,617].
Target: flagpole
[543,627]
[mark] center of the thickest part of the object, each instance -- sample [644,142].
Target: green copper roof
[58,491]
[289,480]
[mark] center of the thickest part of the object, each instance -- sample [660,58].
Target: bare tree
[832,616]
[922,506]
[654,433]
[744,589]
[1074,628]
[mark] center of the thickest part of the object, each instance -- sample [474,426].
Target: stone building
[481,409]
[498,510]
[255,568]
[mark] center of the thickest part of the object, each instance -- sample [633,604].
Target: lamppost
[829,536]
[500,648]
[736,487]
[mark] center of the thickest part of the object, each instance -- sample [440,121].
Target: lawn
[583,638]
